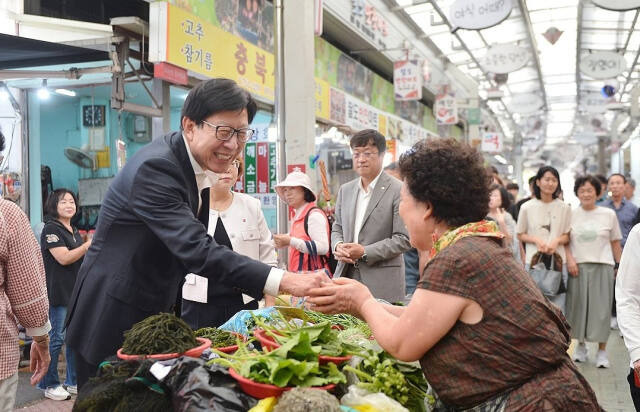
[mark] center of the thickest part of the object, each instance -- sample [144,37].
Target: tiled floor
[610,385]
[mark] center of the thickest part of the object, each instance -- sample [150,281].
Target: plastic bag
[196,386]
[237,323]
[365,401]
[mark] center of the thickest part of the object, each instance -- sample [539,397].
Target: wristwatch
[363,258]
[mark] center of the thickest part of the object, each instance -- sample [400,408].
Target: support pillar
[33,168]
[161,125]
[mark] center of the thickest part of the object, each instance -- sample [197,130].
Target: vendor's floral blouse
[517,351]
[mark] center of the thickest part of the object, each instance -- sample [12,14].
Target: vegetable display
[219,338]
[343,320]
[157,334]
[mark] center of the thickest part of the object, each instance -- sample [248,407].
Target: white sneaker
[580,354]
[57,394]
[614,322]
[602,361]
[72,389]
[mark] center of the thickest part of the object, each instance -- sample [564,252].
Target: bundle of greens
[295,363]
[219,338]
[161,333]
[404,382]
[345,321]
[321,335]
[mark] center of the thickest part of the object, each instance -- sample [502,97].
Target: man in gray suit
[368,236]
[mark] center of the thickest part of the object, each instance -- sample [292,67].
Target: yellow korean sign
[323,109]
[196,45]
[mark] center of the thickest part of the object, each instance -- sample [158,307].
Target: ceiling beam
[524,12]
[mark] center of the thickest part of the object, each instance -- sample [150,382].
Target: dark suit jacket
[147,238]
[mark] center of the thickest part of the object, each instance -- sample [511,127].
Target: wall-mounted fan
[80,157]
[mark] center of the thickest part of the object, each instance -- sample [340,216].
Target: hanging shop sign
[617,5]
[474,116]
[191,42]
[360,115]
[170,73]
[407,80]
[262,167]
[525,103]
[603,65]
[445,109]
[250,170]
[504,58]
[476,15]
[594,103]
[369,22]
[492,142]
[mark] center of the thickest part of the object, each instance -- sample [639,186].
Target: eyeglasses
[364,155]
[225,133]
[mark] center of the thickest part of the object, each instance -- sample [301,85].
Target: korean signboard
[369,22]
[476,15]
[445,109]
[505,58]
[359,115]
[492,142]
[407,80]
[617,5]
[323,110]
[193,43]
[525,103]
[603,65]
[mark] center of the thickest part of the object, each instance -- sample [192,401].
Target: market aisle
[610,385]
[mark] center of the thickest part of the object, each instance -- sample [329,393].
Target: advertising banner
[250,175]
[445,109]
[323,91]
[492,142]
[407,80]
[262,167]
[273,179]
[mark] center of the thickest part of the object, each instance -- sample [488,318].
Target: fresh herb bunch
[344,320]
[219,338]
[295,363]
[380,372]
[161,333]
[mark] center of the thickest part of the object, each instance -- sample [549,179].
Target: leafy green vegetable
[219,338]
[404,382]
[345,321]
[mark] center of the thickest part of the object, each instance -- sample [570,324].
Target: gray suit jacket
[383,235]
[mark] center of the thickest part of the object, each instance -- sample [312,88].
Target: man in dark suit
[150,232]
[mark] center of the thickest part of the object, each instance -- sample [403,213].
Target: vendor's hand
[299,284]
[354,250]
[342,254]
[281,241]
[343,296]
[40,359]
[572,267]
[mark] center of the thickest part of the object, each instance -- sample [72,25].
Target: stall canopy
[18,52]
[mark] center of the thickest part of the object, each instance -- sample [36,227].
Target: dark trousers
[635,391]
[84,370]
[202,315]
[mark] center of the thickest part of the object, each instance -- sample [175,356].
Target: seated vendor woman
[484,334]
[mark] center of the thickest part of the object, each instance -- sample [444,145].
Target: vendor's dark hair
[451,177]
[308,195]
[581,180]
[51,205]
[366,136]
[541,172]
[504,195]
[214,96]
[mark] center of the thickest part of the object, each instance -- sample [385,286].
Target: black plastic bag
[196,386]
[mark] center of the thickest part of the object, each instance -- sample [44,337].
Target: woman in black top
[62,253]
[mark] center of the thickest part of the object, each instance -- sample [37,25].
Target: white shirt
[628,294]
[317,232]
[207,178]
[364,196]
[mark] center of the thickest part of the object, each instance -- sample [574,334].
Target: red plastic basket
[264,390]
[193,352]
[269,344]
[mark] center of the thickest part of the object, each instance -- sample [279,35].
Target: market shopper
[625,210]
[368,236]
[237,222]
[544,223]
[62,252]
[485,335]
[628,307]
[148,234]
[593,253]
[308,239]
[498,206]
[23,296]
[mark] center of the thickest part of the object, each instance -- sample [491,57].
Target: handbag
[548,280]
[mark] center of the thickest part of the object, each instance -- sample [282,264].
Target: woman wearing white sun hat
[308,238]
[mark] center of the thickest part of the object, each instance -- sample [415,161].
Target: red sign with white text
[170,73]
[262,160]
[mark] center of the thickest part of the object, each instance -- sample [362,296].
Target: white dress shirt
[317,228]
[207,178]
[628,294]
[364,196]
